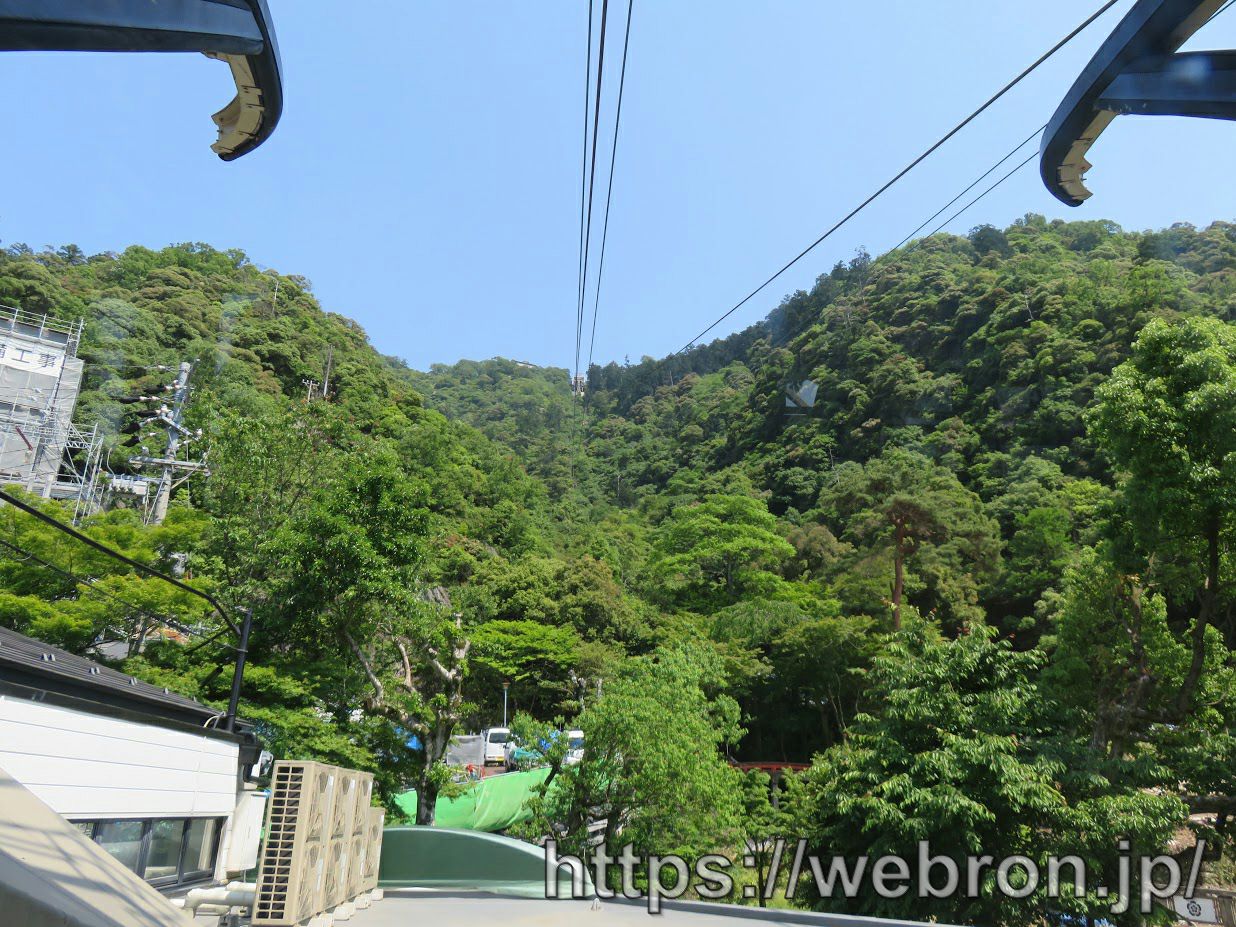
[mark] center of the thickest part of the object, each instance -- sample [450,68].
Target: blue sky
[426,174]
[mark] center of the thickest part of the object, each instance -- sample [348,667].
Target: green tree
[903,504]
[819,669]
[652,766]
[353,587]
[764,822]
[58,590]
[797,674]
[962,749]
[713,552]
[1115,657]
[267,468]
[1117,666]
[1167,420]
[536,659]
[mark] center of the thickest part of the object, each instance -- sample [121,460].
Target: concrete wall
[88,766]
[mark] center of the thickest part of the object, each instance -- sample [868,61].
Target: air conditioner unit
[292,874]
[358,842]
[308,901]
[364,796]
[325,788]
[335,886]
[344,811]
[373,855]
[358,856]
[323,843]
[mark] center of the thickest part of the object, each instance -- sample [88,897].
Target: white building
[144,772]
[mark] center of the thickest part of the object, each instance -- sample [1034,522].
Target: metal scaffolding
[41,449]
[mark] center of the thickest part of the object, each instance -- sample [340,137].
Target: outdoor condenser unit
[373,850]
[292,873]
[335,885]
[322,845]
[345,805]
[359,844]
[339,851]
[364,795]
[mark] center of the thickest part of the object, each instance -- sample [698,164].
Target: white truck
[494,741]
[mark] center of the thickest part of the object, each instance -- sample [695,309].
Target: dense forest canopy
[955,527]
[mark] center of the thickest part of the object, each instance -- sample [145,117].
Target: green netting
[491,804]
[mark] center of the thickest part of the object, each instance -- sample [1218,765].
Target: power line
[983,176]
[206,642]
[583,194]
[592,177]
[905,170]
[117,555]
[1033,155]
[90,584]
[242,632]
[613,154]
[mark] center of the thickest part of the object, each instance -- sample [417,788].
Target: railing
[37,429]
[42,328]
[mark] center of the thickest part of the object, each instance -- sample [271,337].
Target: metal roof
[59,670]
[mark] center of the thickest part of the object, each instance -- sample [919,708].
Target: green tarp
[491,804]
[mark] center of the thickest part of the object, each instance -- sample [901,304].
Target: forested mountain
[957,524]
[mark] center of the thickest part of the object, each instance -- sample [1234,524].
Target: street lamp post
[505,686]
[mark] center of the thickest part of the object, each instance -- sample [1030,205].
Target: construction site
[42,449]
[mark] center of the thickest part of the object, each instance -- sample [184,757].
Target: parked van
[495,740]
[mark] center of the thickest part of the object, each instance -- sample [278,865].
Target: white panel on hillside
[89,766]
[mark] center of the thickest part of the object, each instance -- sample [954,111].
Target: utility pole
[330,357]
[315,390]
[172,418]
[173,440]
[238,669]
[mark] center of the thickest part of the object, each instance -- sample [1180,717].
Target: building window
[163,851]
[163,858]
[201,838]
[122,839]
